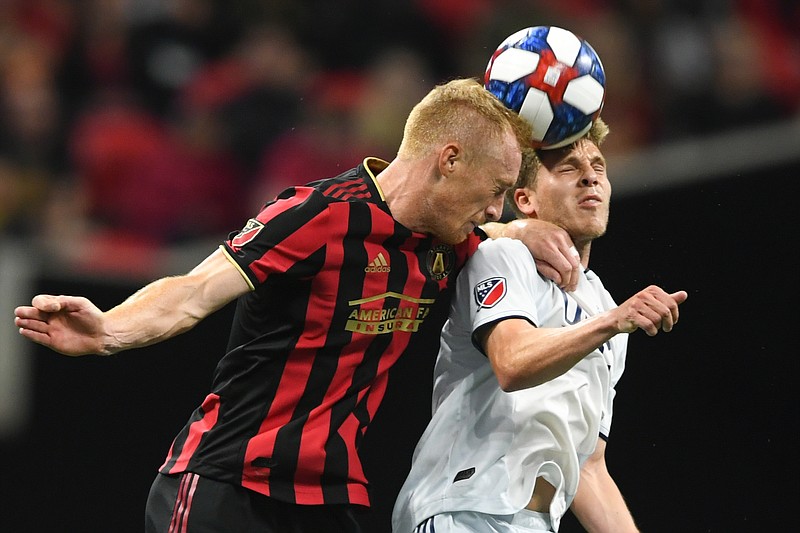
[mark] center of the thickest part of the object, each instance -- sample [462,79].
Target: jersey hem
[304,494]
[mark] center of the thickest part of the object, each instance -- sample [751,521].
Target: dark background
[131,133]
[704,433]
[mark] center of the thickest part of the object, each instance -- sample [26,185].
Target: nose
[494,210]
[589,177]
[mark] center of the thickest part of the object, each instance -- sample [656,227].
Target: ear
[449,156]
[526,202]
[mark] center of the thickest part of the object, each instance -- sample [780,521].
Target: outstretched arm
[551,246]
[523,355]
[598,504]
[74,326]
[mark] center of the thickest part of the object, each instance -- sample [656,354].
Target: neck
[584,247]
[405,189]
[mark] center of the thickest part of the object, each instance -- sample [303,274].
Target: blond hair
[530,160]
[460,110]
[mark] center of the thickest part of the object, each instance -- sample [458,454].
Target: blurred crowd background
[131,126]
[136,134]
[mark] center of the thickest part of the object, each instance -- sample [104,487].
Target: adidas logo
[378,264]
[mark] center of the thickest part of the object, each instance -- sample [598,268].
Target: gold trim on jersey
[379,165]
[233,261]
[392,294]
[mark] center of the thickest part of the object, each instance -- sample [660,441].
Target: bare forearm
[495,230]
[155,313]
[600,508]
[525,356]
[74,326]
[173,305]
[598,504]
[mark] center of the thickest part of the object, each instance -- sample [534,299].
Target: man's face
[572,190]
[472,194]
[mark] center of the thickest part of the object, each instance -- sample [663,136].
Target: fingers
[35,336]
[31,324]
[552,248]
[663,310]
[30,313]
[671,302]
[575,267]
[42,307]
[653,310]
[547,270]
[47,303]
[679,296]
[562,265]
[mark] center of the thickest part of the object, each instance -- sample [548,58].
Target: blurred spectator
[162,183]
[255,93]
[166,52]
[120,121]
[30,111]
[707,68]
[323,144]
[457,19]
[96,62]
[397,79]
[352,34]
[776,26]
[32,150]
[349,116]
[22,194]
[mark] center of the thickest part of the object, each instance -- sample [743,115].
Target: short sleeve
[288,235]
[502,283]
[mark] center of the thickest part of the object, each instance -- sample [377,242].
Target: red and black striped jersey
[340,290]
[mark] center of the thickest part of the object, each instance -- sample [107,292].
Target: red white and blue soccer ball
[553,79]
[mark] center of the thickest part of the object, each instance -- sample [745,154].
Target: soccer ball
[553,79]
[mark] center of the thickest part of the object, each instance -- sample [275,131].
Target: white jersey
[484,448]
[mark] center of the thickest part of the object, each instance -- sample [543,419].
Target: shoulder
[314,200]
[355,185]
[503,250]
[503,245]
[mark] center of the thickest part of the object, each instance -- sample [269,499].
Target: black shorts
[188,503]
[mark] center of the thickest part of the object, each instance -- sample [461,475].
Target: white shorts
[471,522]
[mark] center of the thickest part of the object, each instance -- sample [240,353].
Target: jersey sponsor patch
[489,292]
[248,233]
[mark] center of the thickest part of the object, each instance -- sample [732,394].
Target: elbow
[518,360]
[510,376]
[514,383]
[509,385]
[515,373]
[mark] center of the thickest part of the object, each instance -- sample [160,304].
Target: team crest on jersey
[489,292]
[247,233]
[441,259]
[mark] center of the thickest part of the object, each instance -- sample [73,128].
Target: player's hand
[552,249]
[651,310]
[70,325]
